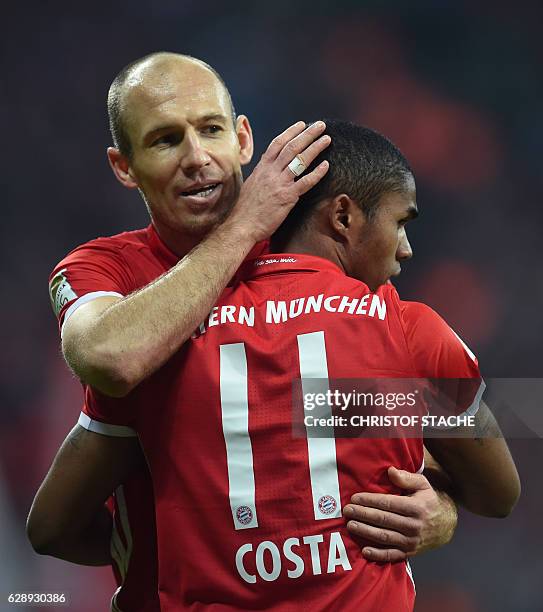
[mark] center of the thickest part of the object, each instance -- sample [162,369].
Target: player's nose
[404,248]
[194,155]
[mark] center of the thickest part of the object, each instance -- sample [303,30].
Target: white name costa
[274,312]
[285,558]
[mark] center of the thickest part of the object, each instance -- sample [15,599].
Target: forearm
[483,476]
[136,335]
[89,546]
[488,487]
[437,476]
[444,489]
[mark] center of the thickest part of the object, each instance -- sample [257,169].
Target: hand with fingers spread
[274,186]
[402,526]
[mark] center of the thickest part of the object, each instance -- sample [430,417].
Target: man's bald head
[156,66]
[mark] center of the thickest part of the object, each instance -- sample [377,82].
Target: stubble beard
[197,227]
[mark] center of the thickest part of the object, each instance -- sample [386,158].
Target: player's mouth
[202,196]
[201,192]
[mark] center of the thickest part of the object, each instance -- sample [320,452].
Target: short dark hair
[117,125]
[363,164]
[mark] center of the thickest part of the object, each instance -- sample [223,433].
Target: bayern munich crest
[244,514]
[327,504]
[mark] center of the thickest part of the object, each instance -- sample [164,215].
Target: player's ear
[344,216]
[245,139]
[121,168]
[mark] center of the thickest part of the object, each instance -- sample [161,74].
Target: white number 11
[239,451]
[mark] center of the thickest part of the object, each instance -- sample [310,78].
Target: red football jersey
[248,514]
[118,266]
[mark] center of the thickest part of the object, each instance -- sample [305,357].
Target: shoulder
[424,326]
[101,265]
[104,254]
[114,245]
[422,317]
[432,340]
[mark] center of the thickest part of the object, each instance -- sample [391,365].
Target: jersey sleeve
[440,356]
[92,270]
[107,415]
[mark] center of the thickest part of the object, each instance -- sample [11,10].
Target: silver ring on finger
[297,166]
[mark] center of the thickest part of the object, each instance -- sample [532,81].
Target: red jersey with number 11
[248,514]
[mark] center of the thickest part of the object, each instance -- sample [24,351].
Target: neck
[320,246]
[179,243]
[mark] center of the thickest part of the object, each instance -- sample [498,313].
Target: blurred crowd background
[457,85]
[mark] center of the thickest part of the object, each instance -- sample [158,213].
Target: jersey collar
[166,255]
[281,263]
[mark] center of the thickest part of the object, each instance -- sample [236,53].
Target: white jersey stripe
[84,299]
[106,429]
[471,410]
[118,552]
[235,424]
[321,451]
[125,525]
[123,513]
[114,606]
[475,405]
[466,347]
[410,574]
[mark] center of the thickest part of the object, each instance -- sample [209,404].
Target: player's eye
[405,220]
[212,129]
[167,140]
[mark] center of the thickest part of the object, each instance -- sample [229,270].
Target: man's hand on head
[402,526]
[271,191]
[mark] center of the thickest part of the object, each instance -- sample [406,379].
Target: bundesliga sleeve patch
[60,291]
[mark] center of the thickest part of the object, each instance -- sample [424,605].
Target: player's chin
[397,271]
[204,223]
[388,279]
[221,211]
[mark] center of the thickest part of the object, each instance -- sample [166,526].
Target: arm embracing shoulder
[482,471]
[68,518]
